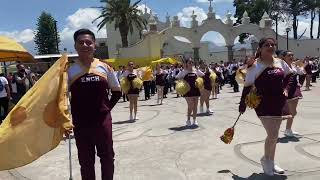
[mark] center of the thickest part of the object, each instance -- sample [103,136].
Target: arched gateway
[159,33]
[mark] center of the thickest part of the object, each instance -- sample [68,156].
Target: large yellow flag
[37,122]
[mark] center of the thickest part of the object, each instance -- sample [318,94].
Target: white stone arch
[247,28]
[167,35]
[175,31]
[213,25]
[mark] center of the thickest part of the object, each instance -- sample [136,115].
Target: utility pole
[56,34]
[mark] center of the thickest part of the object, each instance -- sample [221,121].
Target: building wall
[148,46]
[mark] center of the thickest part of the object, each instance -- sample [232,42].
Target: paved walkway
[159,147]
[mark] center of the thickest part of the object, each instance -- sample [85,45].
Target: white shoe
[290,133]
[267,166]
[188,122]
[195,122]
[201,109]
[130,118]
[278,169]
[136,118]
[209,111]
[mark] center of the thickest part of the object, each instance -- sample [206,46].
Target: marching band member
[264,90]
[190,75]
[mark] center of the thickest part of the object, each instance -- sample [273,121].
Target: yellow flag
[37,122]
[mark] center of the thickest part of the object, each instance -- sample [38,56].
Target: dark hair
[19,65]
[261,43]
[279,52]
[284,53]
[187,60]
[82,32]
[264,40]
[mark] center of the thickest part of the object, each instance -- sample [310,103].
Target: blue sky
[22,14]
[19,17]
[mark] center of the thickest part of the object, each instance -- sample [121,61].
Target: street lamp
[288,30]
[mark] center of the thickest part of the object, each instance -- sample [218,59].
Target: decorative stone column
[194,22]
[230,52]
[176,22]
[196,55]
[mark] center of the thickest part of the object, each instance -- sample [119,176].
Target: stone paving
[159,147]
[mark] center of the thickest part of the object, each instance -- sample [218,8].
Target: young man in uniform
[91,108]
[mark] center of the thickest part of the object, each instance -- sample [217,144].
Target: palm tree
[125,17]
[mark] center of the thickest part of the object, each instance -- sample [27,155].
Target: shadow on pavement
[125,122]
[289,139]
[255,176]
[182,128]
[204,114]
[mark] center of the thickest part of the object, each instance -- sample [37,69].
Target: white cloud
[304,24]
[142,8]
[24,36]
[185,15]
[82,18]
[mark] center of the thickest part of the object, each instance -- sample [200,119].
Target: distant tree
[312,6]
[318,36]
[125,17]
[46,36]
[295,8]
[256,9]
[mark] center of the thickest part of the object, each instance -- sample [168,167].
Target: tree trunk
[313,15]
[124,30]
[295,27]
[318,25]
[277,28]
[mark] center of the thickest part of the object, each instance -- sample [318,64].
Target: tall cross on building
[210,2]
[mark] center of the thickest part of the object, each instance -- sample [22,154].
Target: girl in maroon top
[189,74]
[133,93]
[294,91]
[268,76]
[160,82]
[205,92]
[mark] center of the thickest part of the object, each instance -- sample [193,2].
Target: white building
[160,39]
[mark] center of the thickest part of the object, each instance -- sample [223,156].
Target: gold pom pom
[213,77]
[125,85]
[252,99]
[182,87]
[241,76]
[137,83]
[148,75]
[199,83]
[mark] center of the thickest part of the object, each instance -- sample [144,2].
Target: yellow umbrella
[167,60]
[10,50]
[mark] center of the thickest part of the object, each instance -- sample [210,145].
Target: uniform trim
[275,117]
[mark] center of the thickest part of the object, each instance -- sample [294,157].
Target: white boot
[188,122]
[209,111]
[267,166]
[201,109]
[195,122]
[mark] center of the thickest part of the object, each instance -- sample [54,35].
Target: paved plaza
[159,147]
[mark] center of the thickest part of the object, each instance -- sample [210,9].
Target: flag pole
[70,160]
[69,136]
